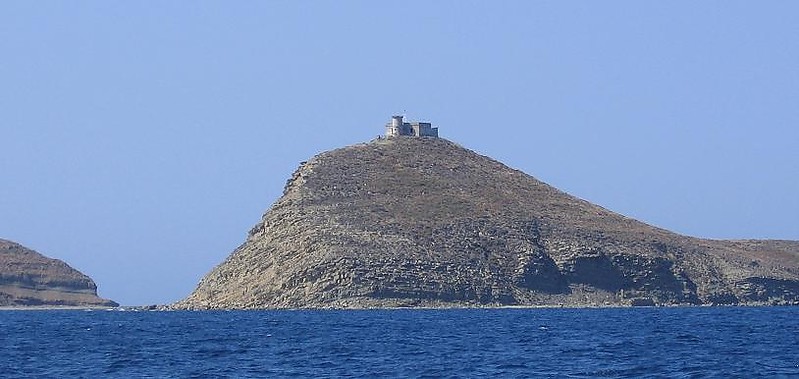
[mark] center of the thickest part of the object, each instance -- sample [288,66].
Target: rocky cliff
[424,222]
[28,278]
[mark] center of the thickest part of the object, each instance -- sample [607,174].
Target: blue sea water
[621,342]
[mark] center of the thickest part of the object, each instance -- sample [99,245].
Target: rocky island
[29,279]
[418,221]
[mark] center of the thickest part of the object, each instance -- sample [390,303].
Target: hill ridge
[409,221]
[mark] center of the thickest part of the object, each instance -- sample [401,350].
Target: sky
[140,141]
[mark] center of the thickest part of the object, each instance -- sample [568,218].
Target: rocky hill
[424,222]
[28,278]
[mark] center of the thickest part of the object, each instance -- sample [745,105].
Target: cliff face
[28,278]
[425,222]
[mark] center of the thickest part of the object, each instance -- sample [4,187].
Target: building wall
[425,129]
[418,129]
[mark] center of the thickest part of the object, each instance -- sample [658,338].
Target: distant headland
[29,279]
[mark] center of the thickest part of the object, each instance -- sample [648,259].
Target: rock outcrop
[424,222]
[28,278]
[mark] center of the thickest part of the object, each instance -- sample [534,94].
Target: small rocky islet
[30,279]
[413,220]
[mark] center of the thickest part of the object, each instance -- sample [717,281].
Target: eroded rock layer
[28,278]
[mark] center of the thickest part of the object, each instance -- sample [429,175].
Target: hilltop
[417,221]
[28,278]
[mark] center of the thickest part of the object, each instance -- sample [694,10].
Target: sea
[669,342]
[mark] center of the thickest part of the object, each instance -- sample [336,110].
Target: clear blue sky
[140,141]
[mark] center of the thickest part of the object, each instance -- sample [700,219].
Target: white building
[398,127]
